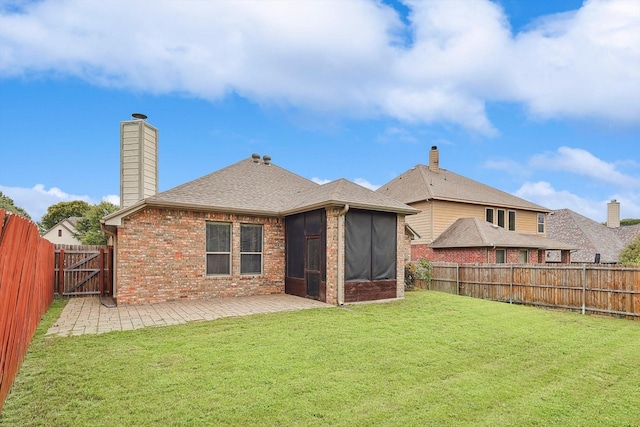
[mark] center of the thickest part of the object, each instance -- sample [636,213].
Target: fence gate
[83,270]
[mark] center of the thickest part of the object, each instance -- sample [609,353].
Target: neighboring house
[595,242]
[255,228]
[63,233]
[444,197]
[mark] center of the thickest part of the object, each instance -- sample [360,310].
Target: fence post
[584,288]
[101,262]
[457,279]
[511,284]
[61,272]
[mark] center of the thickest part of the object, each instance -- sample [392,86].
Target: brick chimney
[613,214]
[138,160]
[434,160]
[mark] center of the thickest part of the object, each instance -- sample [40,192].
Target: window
[500,256]
[250,249]
[218,248]
[512,220]
[489,215]
[540,223]
[501,218]
[524,256]
[60,233]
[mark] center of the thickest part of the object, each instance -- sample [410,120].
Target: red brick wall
[160,256]
[470,255]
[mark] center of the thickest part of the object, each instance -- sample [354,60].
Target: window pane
[512,220]
[250,238]
[295,246]
[218,237]
[500,256]
[218,263]
[250,263]
[540,223]
[489,215]
[524,257]
[501,218]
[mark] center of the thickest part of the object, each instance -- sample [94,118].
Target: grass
[432,359]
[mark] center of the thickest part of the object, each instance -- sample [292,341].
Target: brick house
[254,228]
[444,198]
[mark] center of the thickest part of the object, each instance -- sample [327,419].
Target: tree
[631,254]
[88,227]
[7,204]
[629,221]
[63,210]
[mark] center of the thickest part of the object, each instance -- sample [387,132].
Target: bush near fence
[589,288]
[26,275]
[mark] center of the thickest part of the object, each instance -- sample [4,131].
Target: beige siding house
[63,233]
[443,197]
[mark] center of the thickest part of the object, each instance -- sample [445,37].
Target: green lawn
[432,359]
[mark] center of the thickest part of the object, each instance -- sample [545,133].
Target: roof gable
[419,183]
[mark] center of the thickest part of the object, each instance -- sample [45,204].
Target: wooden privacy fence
[82,270]
[26,273]
[612,290]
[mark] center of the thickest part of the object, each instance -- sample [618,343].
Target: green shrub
[413,271]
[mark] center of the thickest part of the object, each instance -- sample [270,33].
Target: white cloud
[543,193]
[37,199]
[363,182]
[342,57]
[582,162]
[112,198]
[320,180]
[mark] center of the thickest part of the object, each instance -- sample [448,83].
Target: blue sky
[538,99]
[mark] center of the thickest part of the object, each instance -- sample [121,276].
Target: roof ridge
[421,169]
[483,236]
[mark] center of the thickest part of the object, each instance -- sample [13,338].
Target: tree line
[88,226]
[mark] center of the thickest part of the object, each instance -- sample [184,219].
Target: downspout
[112,267]
[340,284]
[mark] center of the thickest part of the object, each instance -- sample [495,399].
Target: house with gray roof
[594,242]
[252,228]
[444,197]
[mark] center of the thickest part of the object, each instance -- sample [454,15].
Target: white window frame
[504,261]
[524,252]
[261,252]
[509,220]
[504,218]
[542,217]
[493,215]
[229,252]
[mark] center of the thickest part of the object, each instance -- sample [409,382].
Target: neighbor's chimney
[613,214]
[138,160]
[434,160]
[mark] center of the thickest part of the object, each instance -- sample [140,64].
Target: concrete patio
[88,316]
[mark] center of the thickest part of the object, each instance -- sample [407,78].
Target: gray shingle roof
[341,192]
[265,189]
[590,237]
[419,183]
[245,186]
[476,233]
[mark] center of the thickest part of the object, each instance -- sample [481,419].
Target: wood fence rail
[26,274]
[612,290]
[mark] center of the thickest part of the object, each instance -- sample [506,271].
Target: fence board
[85,270]
[26,274]
[613,290]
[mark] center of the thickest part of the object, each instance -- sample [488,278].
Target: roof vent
[255,157]
[139,116]
[266,159]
